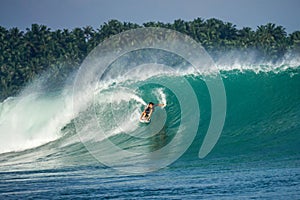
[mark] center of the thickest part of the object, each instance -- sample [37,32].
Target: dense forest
[26,54]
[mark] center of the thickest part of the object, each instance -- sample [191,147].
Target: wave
[263,113]
[30,121]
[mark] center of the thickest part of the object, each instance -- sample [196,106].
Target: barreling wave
[263,115]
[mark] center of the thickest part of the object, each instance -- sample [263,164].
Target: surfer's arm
[160,105]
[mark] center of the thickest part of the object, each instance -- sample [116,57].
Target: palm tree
[294,39]
[271,40]
[246,37]
[196,28]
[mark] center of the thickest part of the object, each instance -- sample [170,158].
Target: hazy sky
[79,13]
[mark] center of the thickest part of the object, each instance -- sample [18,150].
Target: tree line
[26,54]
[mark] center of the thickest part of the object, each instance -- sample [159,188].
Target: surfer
[146,114]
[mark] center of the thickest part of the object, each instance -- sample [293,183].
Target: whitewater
[85,141]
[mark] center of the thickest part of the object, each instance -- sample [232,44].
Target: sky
[61,14]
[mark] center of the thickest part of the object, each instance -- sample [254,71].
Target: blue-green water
[256,156]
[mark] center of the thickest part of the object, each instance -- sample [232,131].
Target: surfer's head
[151,104]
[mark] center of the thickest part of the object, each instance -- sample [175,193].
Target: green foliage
[24,55]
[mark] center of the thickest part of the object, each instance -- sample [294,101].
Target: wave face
[262,117]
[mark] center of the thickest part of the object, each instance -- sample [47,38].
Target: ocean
[233,134]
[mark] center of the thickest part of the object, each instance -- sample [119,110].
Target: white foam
[161,96]
[32,120]
[235,61]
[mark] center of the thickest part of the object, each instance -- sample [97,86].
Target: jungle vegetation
[26,54]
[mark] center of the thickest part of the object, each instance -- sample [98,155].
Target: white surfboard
[145,121]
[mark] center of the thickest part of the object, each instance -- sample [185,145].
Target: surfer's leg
[143,115]
[147,117]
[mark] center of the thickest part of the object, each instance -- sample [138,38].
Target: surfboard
[145,121]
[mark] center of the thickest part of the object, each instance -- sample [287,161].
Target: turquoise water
[43,155]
